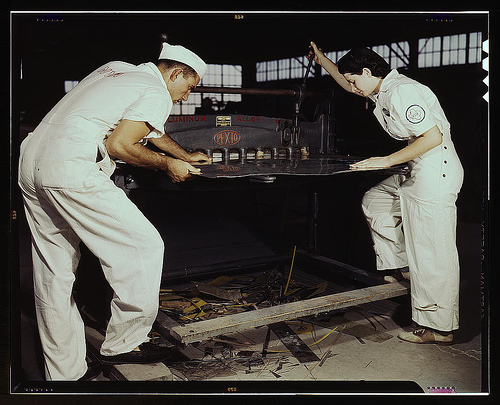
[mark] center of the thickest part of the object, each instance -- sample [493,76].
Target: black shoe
[148,353]
[93,370]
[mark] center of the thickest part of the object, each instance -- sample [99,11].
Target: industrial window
[450,50]
[399,55]
[282,69]
[455,49]
[429,52]
[396,54]
[475,47]
[216,76]
[432,52]
[298,68]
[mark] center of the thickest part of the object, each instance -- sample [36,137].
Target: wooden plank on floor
[163,324]
[198,331]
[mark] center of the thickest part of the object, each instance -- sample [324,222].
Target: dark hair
[166,64]
[356,59]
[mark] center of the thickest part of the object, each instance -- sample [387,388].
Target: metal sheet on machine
[311,166]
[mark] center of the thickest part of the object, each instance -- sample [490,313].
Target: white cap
[181,54]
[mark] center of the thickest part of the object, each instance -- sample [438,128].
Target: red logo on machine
[227,137]
[228,168]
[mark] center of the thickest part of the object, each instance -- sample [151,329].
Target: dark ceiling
[223,37]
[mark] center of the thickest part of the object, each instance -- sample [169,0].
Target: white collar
[384,86]
[387,80]
[154,69]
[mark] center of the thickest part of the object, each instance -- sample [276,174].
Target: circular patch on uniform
[415,114]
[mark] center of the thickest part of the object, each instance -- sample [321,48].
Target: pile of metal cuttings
[272,351]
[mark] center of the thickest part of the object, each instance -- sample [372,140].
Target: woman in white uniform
[64,175]
[412,218]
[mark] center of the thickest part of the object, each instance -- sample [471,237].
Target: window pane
[475,46]
[462,41]
[436,61]
[422,44]
[437,43]
[295,68]
[260,71]
[446,43]
[399,54]
[446,58]
[430,47]
[284,69]
[216,76]
[462,53]
[69,85]
[454,42]
[340,54]
[421,60]
[473,39]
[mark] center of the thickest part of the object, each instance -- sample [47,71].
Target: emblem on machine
[223,121]
[227,137]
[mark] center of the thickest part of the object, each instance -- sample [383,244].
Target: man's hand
[179,171]
[199,157]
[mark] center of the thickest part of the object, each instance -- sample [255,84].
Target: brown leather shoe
[396,276]
[427,335]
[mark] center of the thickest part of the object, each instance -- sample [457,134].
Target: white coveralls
[69,197]
[412,218]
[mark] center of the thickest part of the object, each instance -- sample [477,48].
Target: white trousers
[127,245]
[413,223]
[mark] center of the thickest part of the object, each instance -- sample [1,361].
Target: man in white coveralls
[64,174]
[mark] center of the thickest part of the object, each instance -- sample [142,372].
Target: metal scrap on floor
[264,348]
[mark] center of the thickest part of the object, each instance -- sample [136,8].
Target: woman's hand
[422,144]
[319,56]
[381,162]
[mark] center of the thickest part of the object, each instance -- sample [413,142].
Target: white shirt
[116,91]
[72,133]
[406,108]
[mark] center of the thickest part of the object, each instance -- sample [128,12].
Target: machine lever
[300,91]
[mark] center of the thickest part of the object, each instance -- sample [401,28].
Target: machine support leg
[313,222]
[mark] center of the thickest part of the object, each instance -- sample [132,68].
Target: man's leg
[55,259]
[130,251]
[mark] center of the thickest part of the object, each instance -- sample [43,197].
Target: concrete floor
[377,356]
[457,367]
